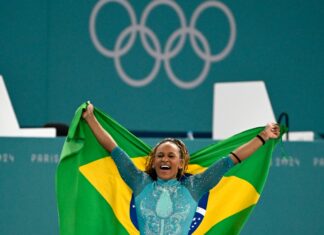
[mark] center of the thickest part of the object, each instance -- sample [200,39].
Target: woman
[166,199]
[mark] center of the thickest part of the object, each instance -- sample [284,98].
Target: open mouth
[165,167]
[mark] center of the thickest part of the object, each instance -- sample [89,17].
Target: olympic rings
[168,52]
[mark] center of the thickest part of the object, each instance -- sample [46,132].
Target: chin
[165,177]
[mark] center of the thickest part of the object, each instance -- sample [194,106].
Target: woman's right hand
[104,138]
[88,112]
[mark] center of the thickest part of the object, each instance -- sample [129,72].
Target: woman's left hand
[271,131]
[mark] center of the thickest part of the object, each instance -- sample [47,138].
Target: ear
[181,164]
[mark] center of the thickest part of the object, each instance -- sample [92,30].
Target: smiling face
[167,161]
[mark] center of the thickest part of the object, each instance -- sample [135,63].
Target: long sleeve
[199,184]
[134,178]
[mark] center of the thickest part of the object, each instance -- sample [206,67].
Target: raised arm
[271,131]
[133,177]
[100,133]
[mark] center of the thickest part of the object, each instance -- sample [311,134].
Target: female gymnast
[166,199]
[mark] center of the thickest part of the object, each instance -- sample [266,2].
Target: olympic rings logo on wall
[167,53]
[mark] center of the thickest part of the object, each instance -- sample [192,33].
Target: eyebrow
[167,152]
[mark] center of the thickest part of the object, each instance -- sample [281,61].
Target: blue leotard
[167,206]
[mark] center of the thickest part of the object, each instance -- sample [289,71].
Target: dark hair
[184,155]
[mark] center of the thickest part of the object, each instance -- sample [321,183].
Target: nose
[165,158]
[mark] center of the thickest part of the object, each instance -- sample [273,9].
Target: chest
[164,208]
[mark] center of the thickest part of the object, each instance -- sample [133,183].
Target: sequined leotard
[167,206]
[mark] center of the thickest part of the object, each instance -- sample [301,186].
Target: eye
[159,155]
[171,155]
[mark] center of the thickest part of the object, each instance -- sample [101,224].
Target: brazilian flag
[93,199]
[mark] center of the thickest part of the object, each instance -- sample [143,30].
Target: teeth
[165,167]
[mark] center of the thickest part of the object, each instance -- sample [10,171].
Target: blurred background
[152,66]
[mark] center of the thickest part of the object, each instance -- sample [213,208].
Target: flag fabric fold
[93,199]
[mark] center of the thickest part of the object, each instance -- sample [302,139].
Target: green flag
[93,199]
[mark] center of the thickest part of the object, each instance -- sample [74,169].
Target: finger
[275,126]
[275,130]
